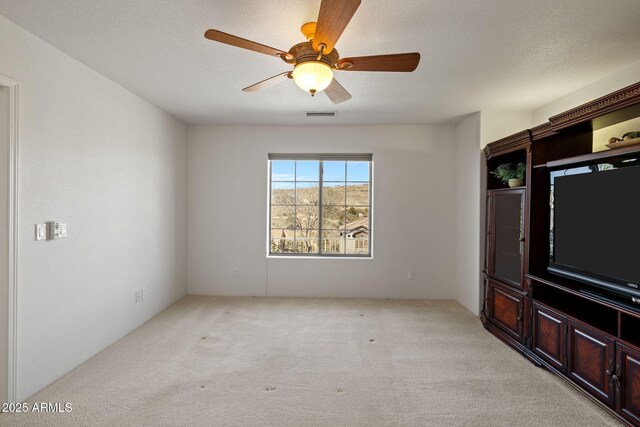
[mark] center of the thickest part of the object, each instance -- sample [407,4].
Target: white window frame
[320,158]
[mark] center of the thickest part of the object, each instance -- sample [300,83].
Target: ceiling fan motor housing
[304,52]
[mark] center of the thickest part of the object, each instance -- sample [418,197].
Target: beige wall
[611,83]
[472,135]
[413,215]
[113,167]
[469,160]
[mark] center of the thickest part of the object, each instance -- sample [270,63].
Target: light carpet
[322,362]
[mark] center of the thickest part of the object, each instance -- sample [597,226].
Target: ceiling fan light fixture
[313,76]
[315,59]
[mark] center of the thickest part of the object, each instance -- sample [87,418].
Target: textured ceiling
[476,54]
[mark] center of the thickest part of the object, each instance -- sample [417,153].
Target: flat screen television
[595,225]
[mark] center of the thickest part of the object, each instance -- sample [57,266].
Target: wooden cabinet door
[591,361]
[506,235]
[506,309]
[550,336]
[628,389]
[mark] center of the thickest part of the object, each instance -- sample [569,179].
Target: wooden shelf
[630,330]
[509,188]
[574,288]
[588,158]
[573,304]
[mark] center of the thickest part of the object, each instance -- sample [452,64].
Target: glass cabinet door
[506,236]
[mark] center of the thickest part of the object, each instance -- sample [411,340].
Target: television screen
[595,225]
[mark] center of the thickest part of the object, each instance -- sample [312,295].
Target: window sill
[361,258]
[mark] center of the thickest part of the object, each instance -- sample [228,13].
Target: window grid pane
[320,207]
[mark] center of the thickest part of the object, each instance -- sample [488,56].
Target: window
[320,205]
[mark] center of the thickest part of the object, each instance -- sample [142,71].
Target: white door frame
[12,300]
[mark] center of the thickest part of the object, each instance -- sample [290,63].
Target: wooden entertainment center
[592,342]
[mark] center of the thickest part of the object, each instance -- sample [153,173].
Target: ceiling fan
[315,60]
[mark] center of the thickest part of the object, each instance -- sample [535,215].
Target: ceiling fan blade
[271,81]
[336,93]
[332,20]
[401,62]
[229,39]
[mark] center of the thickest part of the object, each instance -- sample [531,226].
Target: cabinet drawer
[591,361]
[550,336]
[506,309]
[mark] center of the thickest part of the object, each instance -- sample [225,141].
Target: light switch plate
[41,232]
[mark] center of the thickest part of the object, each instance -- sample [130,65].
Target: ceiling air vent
[321,114]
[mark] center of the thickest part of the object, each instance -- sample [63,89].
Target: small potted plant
[510,174]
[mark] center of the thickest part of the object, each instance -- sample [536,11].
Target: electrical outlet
[411,275]
[236,272]
[143,293]
[138,296]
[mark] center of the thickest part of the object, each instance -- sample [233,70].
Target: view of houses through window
[320,206]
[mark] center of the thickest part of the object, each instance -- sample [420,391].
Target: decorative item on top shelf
[629,138]
[510,174]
